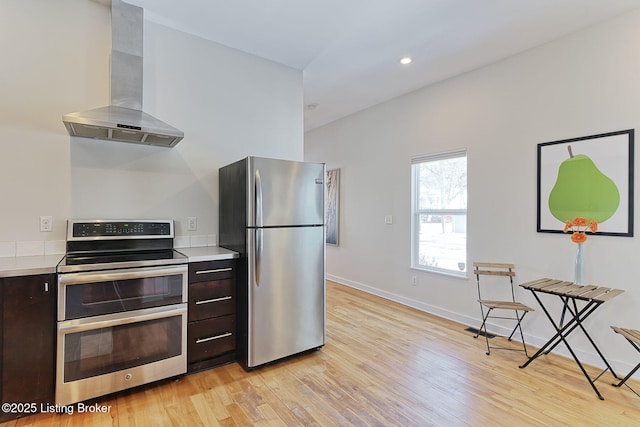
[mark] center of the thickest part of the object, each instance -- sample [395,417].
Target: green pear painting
[582,190]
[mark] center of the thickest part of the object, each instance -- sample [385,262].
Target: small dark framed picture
[332,213]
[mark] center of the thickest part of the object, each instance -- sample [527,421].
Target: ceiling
[349,50]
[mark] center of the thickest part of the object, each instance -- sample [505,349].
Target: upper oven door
[113,291]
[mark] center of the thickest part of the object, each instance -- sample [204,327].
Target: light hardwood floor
[384,365]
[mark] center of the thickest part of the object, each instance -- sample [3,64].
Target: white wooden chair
[494,308]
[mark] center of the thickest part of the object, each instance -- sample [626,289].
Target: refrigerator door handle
[258,223]
[258,193]
[258,257]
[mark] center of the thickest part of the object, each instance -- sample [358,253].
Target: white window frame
[415,213]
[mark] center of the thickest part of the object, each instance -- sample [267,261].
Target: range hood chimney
[124,119]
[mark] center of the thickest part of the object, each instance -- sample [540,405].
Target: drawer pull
[207,301]
[217,337]
[215,270]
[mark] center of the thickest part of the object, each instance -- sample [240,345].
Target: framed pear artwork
[590,177]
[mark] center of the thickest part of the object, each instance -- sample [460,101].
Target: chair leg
[629,375]
[519,328]
[484,326]
[524,345]
[518,319]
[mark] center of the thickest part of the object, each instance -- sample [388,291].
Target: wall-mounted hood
[124,119]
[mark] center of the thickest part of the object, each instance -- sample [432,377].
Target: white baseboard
[590,358]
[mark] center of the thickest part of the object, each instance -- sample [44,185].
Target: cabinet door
[28,339]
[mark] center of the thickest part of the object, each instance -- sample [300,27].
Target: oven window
[102,351]
[114,296]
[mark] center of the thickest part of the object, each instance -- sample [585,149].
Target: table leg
[563,331]
[584,313]
[586,374]
[564,310]
[559,331]
[575,305]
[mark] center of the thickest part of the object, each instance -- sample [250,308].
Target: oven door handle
[117,319]
[105,276]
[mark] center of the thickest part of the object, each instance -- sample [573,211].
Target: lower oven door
[104,354]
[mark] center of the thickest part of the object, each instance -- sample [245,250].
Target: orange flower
[579,226]
[579,237]
[580,221]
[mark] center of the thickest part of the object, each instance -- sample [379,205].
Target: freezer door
[286,295]
[284,193]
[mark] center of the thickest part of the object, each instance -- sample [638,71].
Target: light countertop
[46,264]
[29,265]
[207,253]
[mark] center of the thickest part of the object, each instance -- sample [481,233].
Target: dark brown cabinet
[211,332]
[27,334]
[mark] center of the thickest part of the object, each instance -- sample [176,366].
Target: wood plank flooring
[384,365]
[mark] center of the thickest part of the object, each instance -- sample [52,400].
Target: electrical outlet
[46,223]
[388,219]
[414,280]
[192,223]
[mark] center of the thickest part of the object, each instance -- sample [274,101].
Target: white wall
[55,60]
[584,84]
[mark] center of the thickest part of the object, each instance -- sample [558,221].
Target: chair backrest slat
[493,265]
[494,273]
[495,269]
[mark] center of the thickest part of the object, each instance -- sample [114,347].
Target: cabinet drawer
[210,338]
[211,299]
[211,270]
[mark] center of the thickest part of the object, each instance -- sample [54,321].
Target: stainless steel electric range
[122,308]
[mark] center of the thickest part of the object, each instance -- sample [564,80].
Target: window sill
[457,275]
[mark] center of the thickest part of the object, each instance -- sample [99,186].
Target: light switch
[388,219]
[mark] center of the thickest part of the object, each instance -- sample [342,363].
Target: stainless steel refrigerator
[272,214]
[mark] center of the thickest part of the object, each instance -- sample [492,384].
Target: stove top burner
[94,245]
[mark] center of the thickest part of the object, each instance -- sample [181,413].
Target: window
[439,209]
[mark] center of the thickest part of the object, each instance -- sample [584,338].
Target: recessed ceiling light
[406,60]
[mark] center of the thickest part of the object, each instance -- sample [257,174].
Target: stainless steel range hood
[124,119]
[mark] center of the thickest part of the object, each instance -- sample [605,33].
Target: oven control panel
[121,229]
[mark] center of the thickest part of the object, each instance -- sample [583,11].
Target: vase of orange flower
[579,227]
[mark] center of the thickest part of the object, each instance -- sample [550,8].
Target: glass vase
[579,267]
